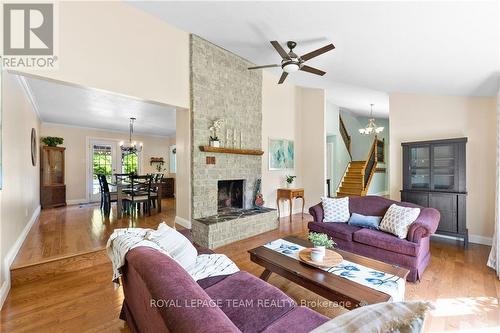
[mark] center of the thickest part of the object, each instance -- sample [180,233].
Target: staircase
[359,174]
[352,183]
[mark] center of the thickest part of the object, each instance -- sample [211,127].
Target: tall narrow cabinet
[434,176]
[52,186]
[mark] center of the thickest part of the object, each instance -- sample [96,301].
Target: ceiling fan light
[362,131]
[291,67]
[379,129]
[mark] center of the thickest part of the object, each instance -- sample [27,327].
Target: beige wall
[76,140]
[116,47]
[294,113]
[20,190]
[313,145]
[423,117]
[183,174]
[280,120]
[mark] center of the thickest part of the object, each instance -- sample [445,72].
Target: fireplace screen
[230,194]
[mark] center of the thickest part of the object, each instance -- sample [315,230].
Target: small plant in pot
[214,141]
[289,180]
[52,141]
[321,241]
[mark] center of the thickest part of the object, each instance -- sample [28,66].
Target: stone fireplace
[230,194]
[223,184]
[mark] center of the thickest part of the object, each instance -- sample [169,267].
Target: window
[173,159]
[130,162]
[102,164]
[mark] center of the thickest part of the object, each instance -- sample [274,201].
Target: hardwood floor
[465,291]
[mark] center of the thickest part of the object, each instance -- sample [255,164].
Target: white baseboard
[183,222]
[77,202]
[380,193]
[11,255]
[476,239]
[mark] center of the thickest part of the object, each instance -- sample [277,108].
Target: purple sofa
[412,253]
[161,297]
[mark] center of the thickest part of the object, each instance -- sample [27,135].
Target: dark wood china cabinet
[52,185]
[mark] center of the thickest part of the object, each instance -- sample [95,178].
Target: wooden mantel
[222,150]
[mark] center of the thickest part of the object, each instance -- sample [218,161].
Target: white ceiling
[86,107]
[425,47]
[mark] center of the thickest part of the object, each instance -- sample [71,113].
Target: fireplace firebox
[230,194]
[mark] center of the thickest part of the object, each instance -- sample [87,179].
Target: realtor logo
[28,29]
[30,32]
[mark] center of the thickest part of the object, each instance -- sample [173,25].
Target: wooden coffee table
[334,288]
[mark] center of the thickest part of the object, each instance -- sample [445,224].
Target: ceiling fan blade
[317,52]
[280,50]
[283,77]
[264,66]
[312,70]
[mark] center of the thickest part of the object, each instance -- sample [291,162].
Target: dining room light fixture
[131,146]
[372,127]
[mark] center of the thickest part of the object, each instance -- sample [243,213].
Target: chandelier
[371,127]
[131,146]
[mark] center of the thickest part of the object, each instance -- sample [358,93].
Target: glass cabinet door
[420,168]
[53,167]
[444,167]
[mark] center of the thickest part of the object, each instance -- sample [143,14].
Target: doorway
[102,160]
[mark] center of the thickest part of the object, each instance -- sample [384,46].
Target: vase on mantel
[214,143]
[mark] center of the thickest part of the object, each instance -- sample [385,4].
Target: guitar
[259,198]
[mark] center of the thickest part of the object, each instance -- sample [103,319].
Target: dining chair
[107,196]
[140,193]
[157,179]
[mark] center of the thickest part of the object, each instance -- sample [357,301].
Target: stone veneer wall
[223,87]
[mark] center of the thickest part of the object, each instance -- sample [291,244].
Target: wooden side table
[290,194]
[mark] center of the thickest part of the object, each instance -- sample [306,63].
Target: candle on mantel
[241,140]
[234,138]
[227,137]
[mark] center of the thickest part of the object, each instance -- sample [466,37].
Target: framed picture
[281,154]
[34,148]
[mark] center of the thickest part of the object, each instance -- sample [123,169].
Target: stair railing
[345,136]
[370,164]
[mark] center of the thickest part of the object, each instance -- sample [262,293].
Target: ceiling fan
[291,62]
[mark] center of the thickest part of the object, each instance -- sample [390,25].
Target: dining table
[122,184]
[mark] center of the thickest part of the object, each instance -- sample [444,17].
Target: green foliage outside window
[130,163]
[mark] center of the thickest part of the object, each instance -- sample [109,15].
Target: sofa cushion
[386,241]
[364,221]
[397,220]
[337,230]
[335,210]
[156,285]
[397,317]
[299,320]
[250,303]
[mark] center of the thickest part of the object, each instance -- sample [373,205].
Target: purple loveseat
[160,296]
[412,253]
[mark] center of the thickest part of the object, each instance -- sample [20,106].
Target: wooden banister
[345,136]
[370,164]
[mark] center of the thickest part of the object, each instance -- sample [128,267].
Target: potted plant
[52,141]
[290,180]
[321,241]
[216,126]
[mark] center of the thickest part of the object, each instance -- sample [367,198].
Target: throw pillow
[175,244]
[381,317]
[335,210]
[397,220]
[370,222]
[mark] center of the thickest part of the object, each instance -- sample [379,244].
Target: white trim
[11,255]
[183,222]
[77,202]
[168,136]
[29,94]
[476,239]
[380,193]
